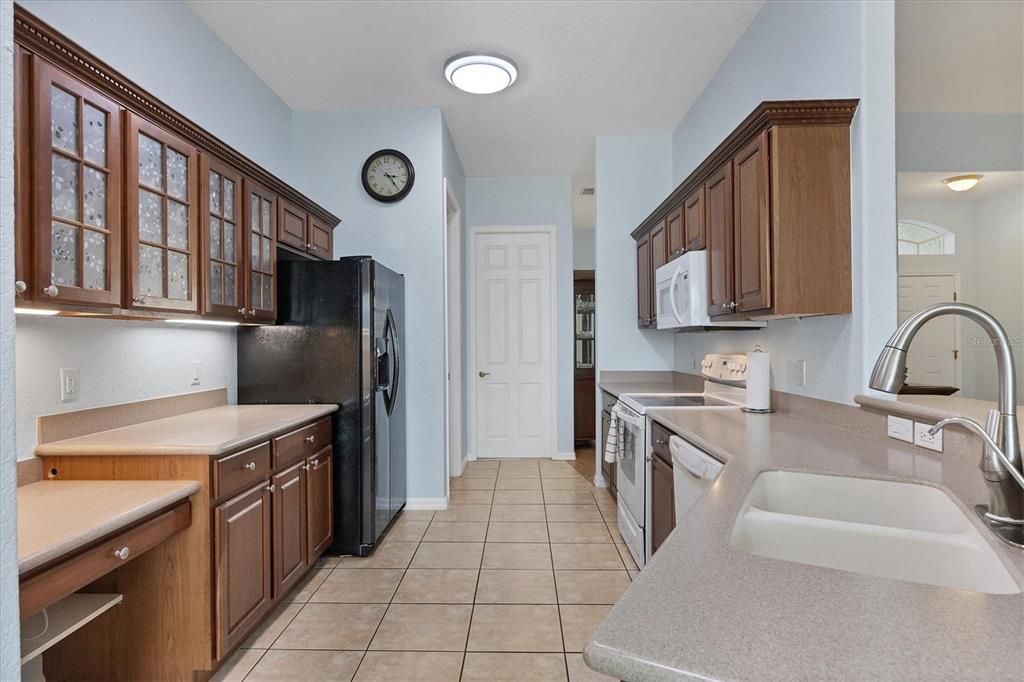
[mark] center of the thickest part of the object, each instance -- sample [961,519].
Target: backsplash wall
[118,361]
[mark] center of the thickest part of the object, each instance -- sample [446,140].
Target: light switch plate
[922,439]
[900,429]
[68,384]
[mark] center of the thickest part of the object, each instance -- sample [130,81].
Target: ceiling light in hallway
[480,73]
[962,183]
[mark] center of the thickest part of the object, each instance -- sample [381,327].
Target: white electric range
[724,389]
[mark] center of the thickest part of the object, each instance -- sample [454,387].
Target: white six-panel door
[932,358]
[512,346]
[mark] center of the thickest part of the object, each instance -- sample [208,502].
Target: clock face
[388,175]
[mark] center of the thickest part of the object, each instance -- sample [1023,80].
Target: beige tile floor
[507,583]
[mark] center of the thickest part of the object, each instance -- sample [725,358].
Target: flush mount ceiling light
[480,73]
[962,183]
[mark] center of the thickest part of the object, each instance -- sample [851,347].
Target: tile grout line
[479,572]
[554,579]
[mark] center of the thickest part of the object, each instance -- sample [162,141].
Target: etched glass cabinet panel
[162,218]
[221,233]
[76,191]
[261,237]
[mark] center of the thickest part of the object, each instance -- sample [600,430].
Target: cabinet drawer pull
[241,311]
[20,287]
[315,463]
[270,488]
[122,553]
[251,466]
[51,290]
[661,441]
[310,439]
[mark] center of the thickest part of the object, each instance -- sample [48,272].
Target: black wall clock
[388,175]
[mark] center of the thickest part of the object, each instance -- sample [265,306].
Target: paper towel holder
[750,410]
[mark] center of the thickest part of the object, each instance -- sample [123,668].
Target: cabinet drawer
[301,443]
[240,470]
[659,443]
[53,584]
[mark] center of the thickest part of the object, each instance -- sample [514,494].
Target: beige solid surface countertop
[214,431]
[56,518]
[702,609]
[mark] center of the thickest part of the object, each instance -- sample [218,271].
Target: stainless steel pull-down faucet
[1001,465]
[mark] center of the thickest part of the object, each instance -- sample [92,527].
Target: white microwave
[681,295]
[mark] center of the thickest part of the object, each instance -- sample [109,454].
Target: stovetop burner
[677,401]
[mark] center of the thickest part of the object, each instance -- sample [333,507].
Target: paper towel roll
[758,380]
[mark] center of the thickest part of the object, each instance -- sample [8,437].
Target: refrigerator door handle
[383,365]
[395,357]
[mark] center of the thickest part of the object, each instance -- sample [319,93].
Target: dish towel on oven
[616,441]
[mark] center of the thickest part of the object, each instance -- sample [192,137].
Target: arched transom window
[917,238]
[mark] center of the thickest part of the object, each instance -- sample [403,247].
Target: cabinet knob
[122,553]
[310,439]
[252,311]
[661,441]
[140,300]
[309,246]
[251,466]
[315,463]
[241,311]
[51,290]
[732,305]
[270,488]
[20,287]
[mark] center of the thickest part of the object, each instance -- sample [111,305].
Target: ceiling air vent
[586,191]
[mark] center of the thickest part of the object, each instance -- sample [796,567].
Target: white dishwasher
[693,472]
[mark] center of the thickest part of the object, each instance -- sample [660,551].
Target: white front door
[513,292]
[932,358]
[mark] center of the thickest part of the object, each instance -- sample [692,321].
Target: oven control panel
[725,367]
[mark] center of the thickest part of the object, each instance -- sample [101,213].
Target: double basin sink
[903,531]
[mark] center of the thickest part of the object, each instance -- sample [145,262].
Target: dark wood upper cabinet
[260,219]
[676,232]
[321,238]
[289,504]
[659,249]
[319,503]
[221,240]
[242,552]
[645,302]
[75,184]
[750,220]
[114,215]
[718,211]
[694,219]
[772,206]
[291,225]
[162,222]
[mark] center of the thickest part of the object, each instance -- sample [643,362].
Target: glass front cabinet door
[162,237]
[76,191]
[261,239]
[220,228]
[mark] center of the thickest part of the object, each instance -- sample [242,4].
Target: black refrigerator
[339,339]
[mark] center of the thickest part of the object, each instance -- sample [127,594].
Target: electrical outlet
[797,371]
[68,384]
[900,429]
[693,361]
[196,377]
[922,439]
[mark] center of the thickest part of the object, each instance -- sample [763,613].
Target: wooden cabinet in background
[645,285]
[319,504]
[771,205]
[693,219]
[676,232]
[221,241]
[73,183]
[584,355]
[162,220]
[752,260]
[663,510]
[260,219]
[289,503]
[303,232]
[242,551]
[321,238]
[718,213]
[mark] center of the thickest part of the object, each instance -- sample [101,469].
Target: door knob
[483,374]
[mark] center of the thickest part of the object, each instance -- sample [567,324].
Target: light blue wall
[633,176]
[811,50]
[456,176]
[584,249]
[970,141]
[537,200]
[168,50]
[328,152]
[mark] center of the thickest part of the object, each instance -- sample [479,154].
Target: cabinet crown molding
[768,114]
[44,40]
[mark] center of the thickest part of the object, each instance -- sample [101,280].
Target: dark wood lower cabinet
[290,556]
[242,550]
[663,502]
[319,503]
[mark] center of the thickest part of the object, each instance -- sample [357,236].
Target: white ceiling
[960,56]
[928,186]
[586,68]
